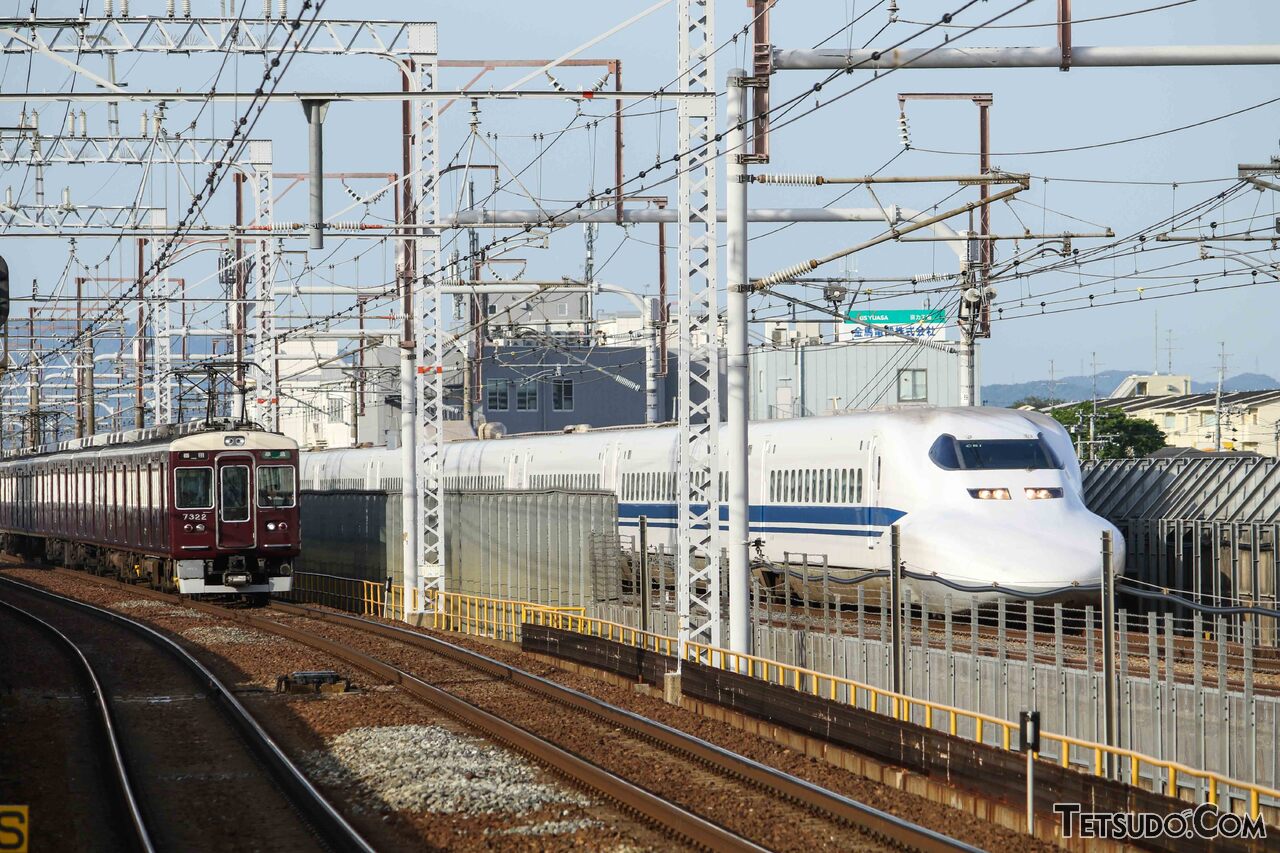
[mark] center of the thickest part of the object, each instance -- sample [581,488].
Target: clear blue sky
[1034,110]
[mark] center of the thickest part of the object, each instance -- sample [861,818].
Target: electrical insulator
[904,131]
[142,124]
[71,123]
[284,8]
[792,179]
[186,8]
[84,124]
[124,8]
[66,198]
[168,8]
[108,8]
[266,9]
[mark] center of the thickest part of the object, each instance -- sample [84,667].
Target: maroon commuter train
[192,508]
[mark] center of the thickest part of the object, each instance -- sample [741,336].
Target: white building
[333,398]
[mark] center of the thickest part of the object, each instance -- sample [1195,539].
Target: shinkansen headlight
[1042,494]
[990,494]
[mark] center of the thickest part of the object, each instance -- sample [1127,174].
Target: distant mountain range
[1071,388]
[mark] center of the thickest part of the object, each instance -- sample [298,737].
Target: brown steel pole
[79,372]
[238,295]
[984,191]
[616,67]
[360,303]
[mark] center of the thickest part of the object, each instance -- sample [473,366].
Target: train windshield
[193,488]
[992,454]
[275,486]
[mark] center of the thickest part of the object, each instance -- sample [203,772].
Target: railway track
[810,805]
[1075,643]
[192,769]
[693,790]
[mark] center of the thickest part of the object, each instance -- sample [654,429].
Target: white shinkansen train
[982,496]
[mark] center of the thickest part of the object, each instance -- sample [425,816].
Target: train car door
[235,496]
[872,486]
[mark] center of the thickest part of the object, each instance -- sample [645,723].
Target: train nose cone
[1063,556]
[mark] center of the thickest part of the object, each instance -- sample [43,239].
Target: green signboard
[899,318]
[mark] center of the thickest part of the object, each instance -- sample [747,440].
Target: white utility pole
[426,572]
[697,505]
[738,379]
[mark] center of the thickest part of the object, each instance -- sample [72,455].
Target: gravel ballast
[433,769]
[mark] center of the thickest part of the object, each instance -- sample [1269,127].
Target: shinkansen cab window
[992,454]
[275,486]
[234,488]
[193,488]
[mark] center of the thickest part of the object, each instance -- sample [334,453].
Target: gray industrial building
[535,388]
[818,379]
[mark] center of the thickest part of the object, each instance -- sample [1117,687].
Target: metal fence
[535,546]
[1207,526]
[1182,694]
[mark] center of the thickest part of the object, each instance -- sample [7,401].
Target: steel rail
[331,827]
[825,802]
[107,720]
[653,809]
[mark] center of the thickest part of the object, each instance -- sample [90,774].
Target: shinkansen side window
[275,486]
[193,488]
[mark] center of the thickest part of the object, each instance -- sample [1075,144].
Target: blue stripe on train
[756,528]
[872,516]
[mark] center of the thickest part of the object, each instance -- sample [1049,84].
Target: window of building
[1169,421]
[496,394]
[335,410]
[562,395]
[527,396]
[913,386]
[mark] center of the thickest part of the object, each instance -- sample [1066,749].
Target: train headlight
[200,528]
[1042,494]
[990,494]
[271,525]
[187,527]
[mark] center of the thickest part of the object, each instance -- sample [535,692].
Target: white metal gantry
[697,500]
[425,572]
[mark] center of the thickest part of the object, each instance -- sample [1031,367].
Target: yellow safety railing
[1167,777]
[498,618]
[613,631]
